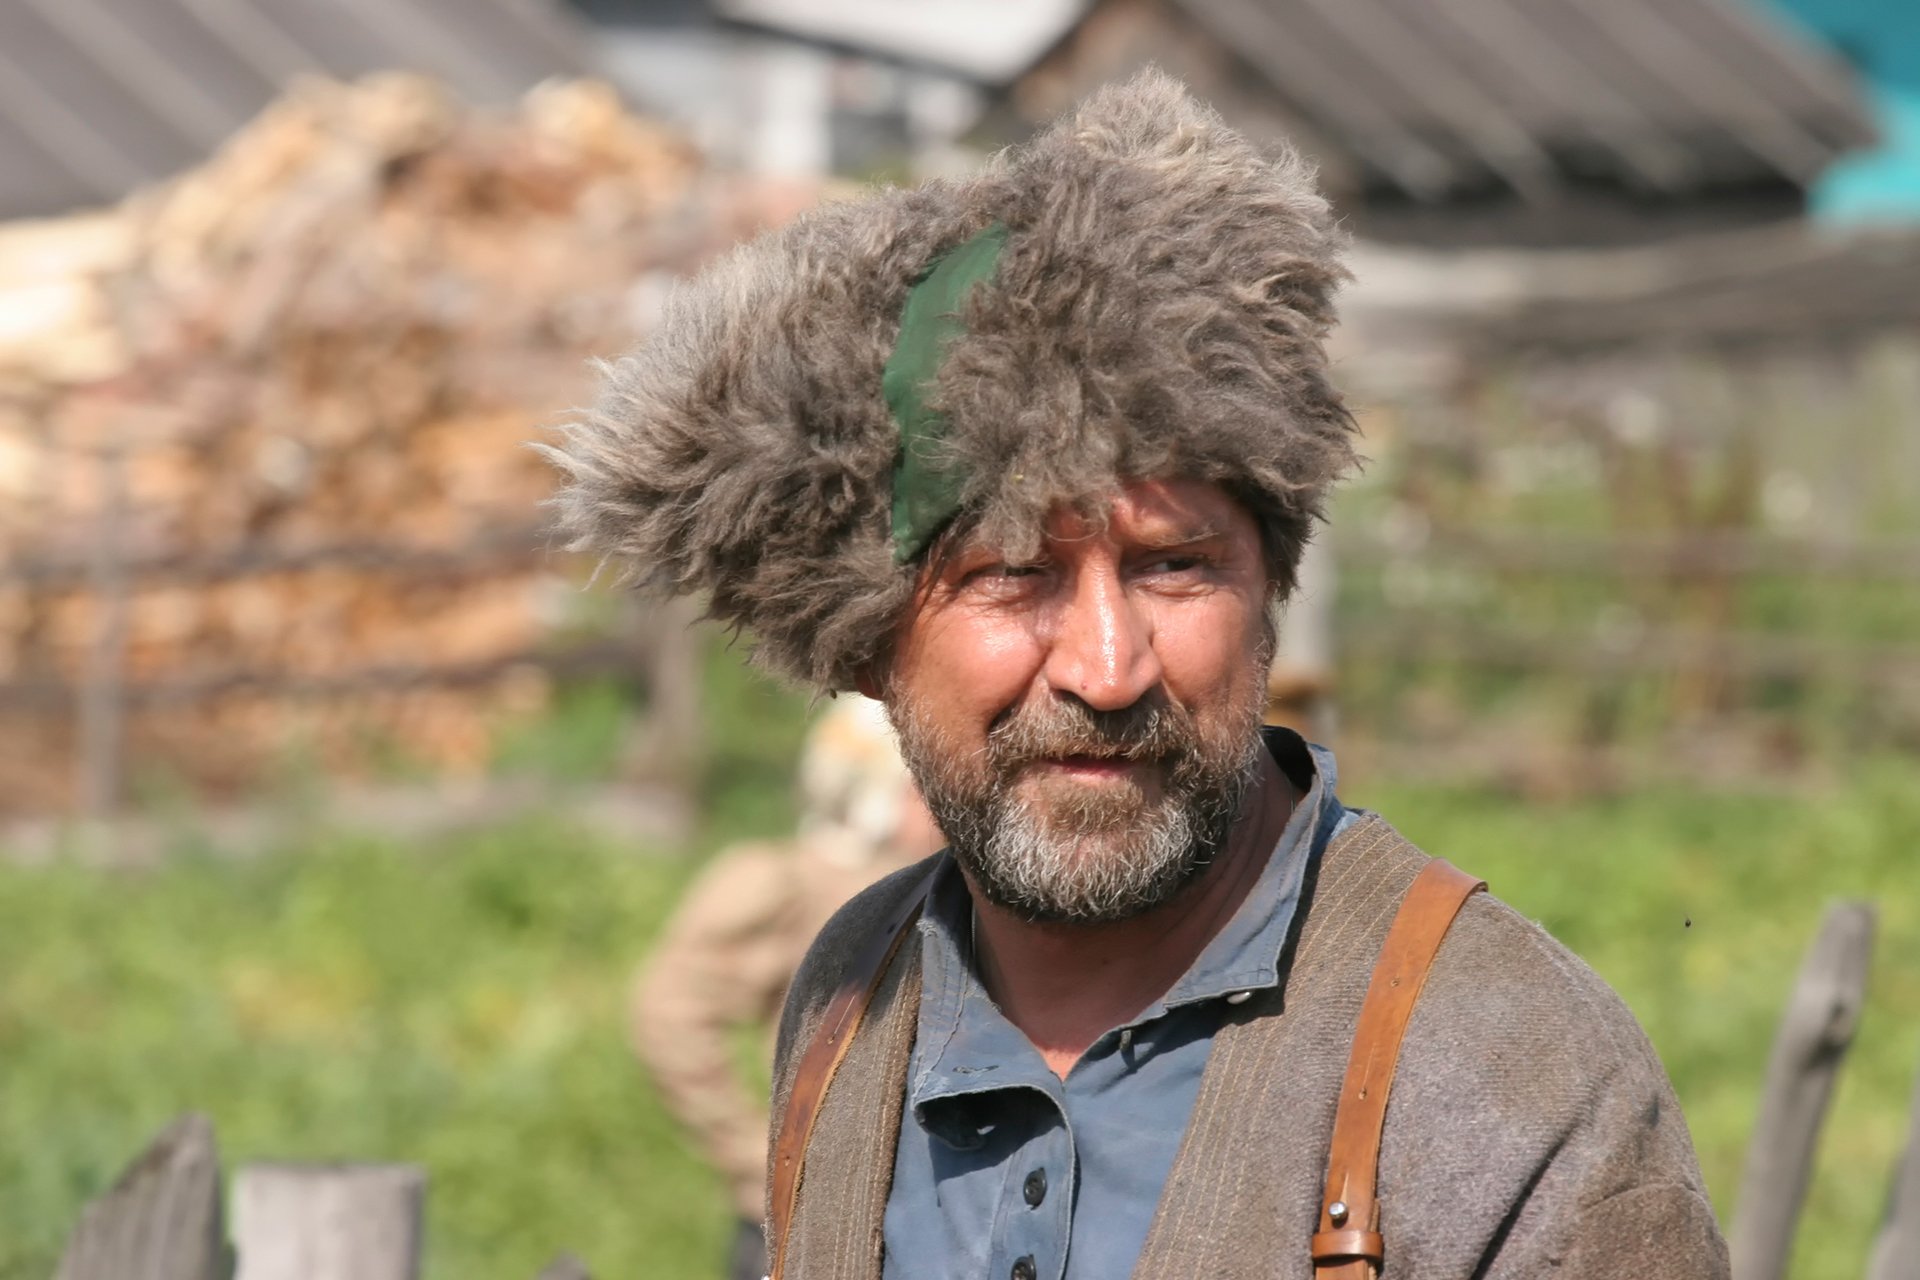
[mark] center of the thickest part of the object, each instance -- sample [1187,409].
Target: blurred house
[1544,123]
[98,97]
[1522,122]
[864,88]
[1516,122]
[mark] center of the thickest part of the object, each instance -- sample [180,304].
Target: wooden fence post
[161,1220]
[328,1222]
[565,1267]
[1896,1252]
[1815,1031]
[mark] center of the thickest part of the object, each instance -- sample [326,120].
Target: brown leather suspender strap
[1348,1245]
[822,1058]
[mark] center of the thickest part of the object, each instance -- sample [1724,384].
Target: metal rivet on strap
[1337,1213]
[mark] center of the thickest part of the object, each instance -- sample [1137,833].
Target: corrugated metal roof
[98,97]
[1662,95]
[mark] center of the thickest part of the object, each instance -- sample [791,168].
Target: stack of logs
[264,483]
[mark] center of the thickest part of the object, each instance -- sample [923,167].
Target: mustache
[1154,728]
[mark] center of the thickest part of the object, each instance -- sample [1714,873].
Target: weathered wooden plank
[161,1220]
[328,1222]
[1896,1252]
[1814,1033]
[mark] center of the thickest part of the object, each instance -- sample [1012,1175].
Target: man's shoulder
[1513,1018]
[1501,988]
[1494,959]
[1504,970]
[1503,945]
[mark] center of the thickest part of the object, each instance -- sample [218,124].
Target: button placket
[1034,1222]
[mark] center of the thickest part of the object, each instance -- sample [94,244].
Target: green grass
[460,1003]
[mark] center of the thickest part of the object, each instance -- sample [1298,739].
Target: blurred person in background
[710,993]
[1033,458]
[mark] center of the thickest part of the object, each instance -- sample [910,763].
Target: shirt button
[1035,1189]
[1023,1268]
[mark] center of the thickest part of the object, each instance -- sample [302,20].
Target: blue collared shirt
[1004,1169]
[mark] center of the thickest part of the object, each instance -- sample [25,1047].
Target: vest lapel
[1243,1197]
[837,1235]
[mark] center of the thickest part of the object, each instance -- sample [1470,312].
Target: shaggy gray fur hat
[1158,309]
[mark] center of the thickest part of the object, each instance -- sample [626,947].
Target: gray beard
[1094,856]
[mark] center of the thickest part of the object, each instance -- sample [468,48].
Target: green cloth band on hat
[926,493]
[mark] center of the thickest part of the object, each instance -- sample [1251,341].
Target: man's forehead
[1153,513]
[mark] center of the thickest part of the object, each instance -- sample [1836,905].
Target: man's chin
[1079,895]
[1074,875]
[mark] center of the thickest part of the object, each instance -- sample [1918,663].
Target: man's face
[1084,727]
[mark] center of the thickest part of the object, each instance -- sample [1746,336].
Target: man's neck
[1066,985]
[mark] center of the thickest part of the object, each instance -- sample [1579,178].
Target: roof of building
[1662,95]
[991,41]
[98,97]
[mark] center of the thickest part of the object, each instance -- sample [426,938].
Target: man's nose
[1102,650]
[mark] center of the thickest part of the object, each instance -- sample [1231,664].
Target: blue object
[1881,38]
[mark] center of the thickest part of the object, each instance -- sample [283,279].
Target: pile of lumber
[264,483]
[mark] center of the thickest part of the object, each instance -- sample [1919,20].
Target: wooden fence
[1697,561]
[1612,593]
[163,1219]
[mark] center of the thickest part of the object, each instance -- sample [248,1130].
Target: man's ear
[867,681]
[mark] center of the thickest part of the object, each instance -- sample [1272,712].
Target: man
[730,950]
[1030,457]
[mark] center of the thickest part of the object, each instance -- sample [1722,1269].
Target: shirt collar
[1245,954]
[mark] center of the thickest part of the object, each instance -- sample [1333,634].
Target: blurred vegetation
[461,1002]
[1552,556]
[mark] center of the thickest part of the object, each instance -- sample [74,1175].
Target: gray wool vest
[1531,1129]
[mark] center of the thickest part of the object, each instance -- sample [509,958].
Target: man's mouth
[1090,768]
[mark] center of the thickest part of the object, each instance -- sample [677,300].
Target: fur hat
[1158,308]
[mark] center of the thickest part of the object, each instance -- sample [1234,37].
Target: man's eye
[1174,564]
[1003,577]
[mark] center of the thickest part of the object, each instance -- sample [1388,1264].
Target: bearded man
[1032,459]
